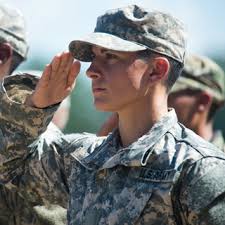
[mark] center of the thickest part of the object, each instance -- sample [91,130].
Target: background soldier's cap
[131,29]
[12,29]
[201,73]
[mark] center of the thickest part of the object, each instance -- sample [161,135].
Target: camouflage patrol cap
[131,29]
[201,73]
[12,29]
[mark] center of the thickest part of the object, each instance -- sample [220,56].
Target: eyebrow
[103,50]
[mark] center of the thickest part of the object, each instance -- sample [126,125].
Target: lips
[98,89]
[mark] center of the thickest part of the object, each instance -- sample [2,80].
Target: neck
[205,130]
[137,120]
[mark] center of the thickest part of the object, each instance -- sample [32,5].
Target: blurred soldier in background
[14,210]
[196,96]
[13,45]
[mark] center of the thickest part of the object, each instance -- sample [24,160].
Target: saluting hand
[56,82]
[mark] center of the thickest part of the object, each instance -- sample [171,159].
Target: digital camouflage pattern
[12,29]
[133,28]
[15,209]
[169,176]
[201,73]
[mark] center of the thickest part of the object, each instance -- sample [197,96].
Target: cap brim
[81,49]
[184,83]
[180,85]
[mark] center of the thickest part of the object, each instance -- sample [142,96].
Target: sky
[52,24]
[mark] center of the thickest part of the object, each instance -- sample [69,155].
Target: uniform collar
[110,153]
[137,153]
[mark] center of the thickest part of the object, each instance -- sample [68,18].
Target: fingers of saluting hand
[73,73]
[66,58]
[60,67]
[45,76]
[62,70]
[55,63]
[57,81]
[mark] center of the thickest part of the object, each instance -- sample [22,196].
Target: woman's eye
[92,56]
[111,56]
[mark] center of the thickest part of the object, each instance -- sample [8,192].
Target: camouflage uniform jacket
[14,207]
[16,210]
[168,176]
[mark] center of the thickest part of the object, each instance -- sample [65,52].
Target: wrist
[30,102]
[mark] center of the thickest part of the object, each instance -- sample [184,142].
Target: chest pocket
[114,198]
[153,188]
[131,199]
[140,192]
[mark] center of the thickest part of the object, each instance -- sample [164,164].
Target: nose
[93,72]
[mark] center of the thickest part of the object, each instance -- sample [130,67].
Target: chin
[103,107]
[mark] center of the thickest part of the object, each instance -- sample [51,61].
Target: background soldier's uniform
[14,207]
[201,73]
[167,176]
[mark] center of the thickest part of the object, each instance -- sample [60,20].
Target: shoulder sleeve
[18,118]
[20,125]
[202,194]
[44,174]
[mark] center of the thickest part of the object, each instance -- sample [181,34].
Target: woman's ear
[5,53]
[160,69]
[204,101]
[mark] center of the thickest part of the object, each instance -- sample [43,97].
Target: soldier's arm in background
[20,125]
[202,195]
[23,154]
[37,168]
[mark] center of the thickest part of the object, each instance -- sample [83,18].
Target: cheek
[178,104]
[120,79]
[137,75]
[180,101]
[135,79]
